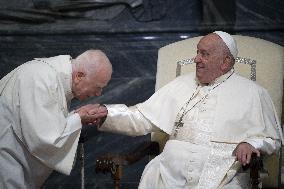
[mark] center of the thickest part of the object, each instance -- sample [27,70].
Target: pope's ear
[226,64]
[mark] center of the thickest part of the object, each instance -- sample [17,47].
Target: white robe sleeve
[266,145]
[47,132]
[128,121]
[270,122]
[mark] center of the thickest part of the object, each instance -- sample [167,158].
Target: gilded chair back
[259,60]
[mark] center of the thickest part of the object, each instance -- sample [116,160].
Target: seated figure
[214,117]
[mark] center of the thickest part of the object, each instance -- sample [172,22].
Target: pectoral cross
[178,125]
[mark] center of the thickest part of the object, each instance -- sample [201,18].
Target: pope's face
[209,59]
[85,87]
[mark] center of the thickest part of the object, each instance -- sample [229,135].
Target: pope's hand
[244,151]
[92,114]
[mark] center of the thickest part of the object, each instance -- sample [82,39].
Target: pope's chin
[200,78]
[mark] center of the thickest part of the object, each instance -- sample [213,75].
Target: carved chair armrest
[113,163]
[256,169]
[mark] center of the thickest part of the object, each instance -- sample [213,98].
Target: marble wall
[130,33]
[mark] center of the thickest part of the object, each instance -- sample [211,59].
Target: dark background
[130,32]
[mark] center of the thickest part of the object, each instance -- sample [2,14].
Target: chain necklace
[178,124]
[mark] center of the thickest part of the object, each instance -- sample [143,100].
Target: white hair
[91,62]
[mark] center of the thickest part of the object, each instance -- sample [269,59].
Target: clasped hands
[92,114]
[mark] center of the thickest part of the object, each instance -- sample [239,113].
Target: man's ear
[79,76]
[226,66]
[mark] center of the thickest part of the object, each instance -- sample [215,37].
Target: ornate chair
[259,60]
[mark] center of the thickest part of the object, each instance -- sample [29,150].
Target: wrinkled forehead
[209,42]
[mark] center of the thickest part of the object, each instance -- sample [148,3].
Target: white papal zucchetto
[229,41]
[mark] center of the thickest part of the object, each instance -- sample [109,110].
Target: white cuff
[73,123]
[266,145]
[256,143]
[126,120]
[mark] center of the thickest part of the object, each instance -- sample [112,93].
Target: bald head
[91,62]
[91,71]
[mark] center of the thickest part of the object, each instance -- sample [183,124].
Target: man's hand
[244,151]
[91,114]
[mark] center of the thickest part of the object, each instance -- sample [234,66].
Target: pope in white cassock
[37,133]
[213,129]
